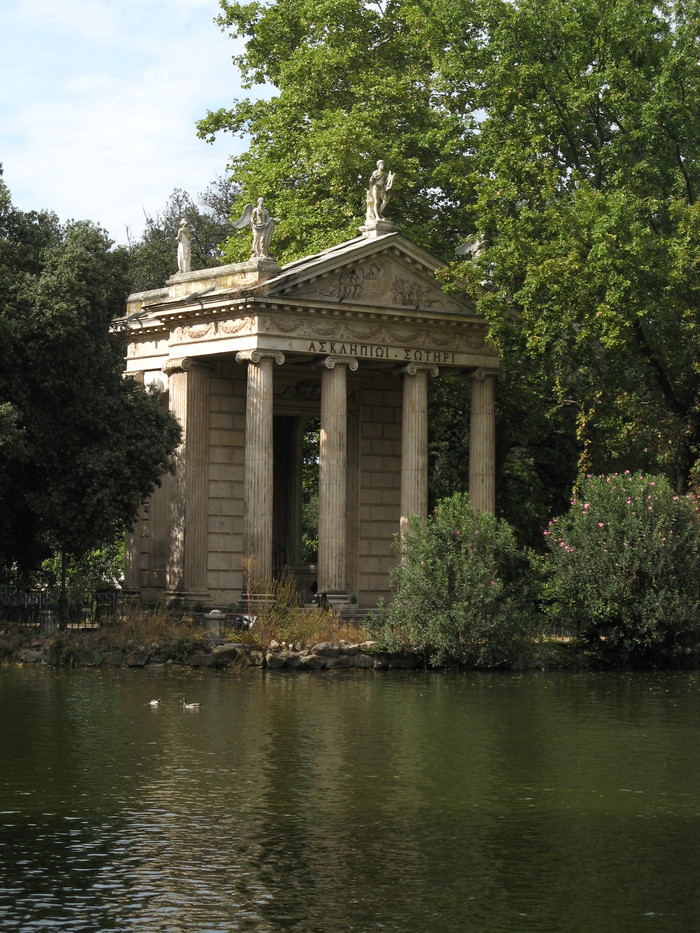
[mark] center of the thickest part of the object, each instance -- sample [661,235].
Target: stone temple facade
[245,356]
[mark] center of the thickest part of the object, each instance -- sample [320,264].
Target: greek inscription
[377,352]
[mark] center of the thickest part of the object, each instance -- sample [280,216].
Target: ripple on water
[352,803]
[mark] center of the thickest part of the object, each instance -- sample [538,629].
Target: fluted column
[186,573]
[258,482]
[333,466]
[482,442]
[132,557]
[414,443]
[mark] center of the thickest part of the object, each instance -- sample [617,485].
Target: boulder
[363,660]
[312,662]
[138,657]
[226,652]
[201,659]
[343,662]
[115,657]
[49,653]
[327,649]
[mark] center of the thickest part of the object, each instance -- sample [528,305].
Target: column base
[182,600]
[338,601]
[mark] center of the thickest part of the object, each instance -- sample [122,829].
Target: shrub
[462,589]
[622,569]
[279,616]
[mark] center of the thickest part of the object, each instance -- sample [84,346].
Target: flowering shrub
[461,590]
[623,569]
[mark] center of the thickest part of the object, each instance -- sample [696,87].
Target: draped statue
[184,247]
[263,225]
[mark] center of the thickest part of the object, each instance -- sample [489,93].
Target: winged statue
[263,224]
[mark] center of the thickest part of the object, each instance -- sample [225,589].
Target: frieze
[347,333]
[194,331]
[241,325]
[306,391]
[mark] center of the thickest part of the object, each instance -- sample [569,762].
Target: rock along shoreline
[87,649]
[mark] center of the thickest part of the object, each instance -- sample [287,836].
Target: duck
[154,702]
[186,705]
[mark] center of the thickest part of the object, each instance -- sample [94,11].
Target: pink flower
[601,525]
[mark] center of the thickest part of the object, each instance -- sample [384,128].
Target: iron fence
[37,609]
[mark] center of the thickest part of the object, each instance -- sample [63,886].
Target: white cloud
[100,123]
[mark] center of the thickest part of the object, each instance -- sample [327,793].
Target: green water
[354,801]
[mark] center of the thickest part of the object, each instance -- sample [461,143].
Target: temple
[247,356]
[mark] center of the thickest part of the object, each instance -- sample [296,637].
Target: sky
[99,101]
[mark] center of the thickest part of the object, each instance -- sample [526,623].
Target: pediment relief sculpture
[379,282]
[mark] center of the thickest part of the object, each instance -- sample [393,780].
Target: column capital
[482,374]
[330,362]
[414,368]
[184,365]
[256,356]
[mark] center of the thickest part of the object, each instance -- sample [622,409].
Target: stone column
[414,443]
[186,573]
[132,557]
[333,467]
[258,482]
[482,442]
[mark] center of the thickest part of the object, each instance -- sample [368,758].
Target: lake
[351,801]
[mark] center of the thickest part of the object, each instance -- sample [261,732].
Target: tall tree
[354,83]
[81,447]
[586,181]
[563,138]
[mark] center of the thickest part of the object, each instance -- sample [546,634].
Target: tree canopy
[81,447]
[354,83]
[153,257]
[563,139]
[586,181]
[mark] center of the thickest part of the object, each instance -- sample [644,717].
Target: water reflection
[348,802]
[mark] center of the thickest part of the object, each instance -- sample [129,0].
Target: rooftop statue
[184,247]
[377,197]
[263,225]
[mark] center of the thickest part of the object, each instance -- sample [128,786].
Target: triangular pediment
[386,272]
